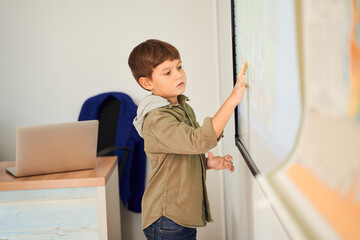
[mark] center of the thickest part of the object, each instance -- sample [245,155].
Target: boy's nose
[177,74]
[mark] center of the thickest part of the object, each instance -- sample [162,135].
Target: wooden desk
[72,205]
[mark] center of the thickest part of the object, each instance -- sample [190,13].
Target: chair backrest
[108,120]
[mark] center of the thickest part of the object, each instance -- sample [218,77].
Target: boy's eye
[179,67]
[167,73]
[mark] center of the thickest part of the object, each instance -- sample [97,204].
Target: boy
[175,201]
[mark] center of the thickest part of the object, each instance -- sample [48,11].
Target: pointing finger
[243,68]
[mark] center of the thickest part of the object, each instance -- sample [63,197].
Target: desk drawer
[64,213]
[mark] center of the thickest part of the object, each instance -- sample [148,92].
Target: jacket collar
[181,101]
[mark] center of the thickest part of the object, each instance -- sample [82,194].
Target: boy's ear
[145,83]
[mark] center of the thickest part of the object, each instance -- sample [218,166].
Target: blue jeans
[165,229]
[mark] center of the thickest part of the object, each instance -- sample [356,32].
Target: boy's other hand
[219,163]
[240,85]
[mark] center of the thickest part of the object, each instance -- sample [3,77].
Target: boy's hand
[223,114]
[219,163]
[240,85]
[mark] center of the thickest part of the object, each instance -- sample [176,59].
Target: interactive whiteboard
[298,126]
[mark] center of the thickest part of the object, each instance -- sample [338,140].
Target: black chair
[108,120]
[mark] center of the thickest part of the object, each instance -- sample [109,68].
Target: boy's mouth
[180,84]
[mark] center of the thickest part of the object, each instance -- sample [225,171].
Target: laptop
[55,148]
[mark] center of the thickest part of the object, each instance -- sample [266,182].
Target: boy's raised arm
[222,116]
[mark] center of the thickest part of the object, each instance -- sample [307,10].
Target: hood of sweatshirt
[149,103]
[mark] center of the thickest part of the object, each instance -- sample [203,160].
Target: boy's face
[168,80]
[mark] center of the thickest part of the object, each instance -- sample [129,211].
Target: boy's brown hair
[148,55]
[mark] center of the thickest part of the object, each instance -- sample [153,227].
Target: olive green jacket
[175,145]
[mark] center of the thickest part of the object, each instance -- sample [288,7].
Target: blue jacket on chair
[132,181]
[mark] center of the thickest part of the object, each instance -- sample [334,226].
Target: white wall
[56,54]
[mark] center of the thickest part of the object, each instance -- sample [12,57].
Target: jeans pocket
[168,225]
[149,232]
